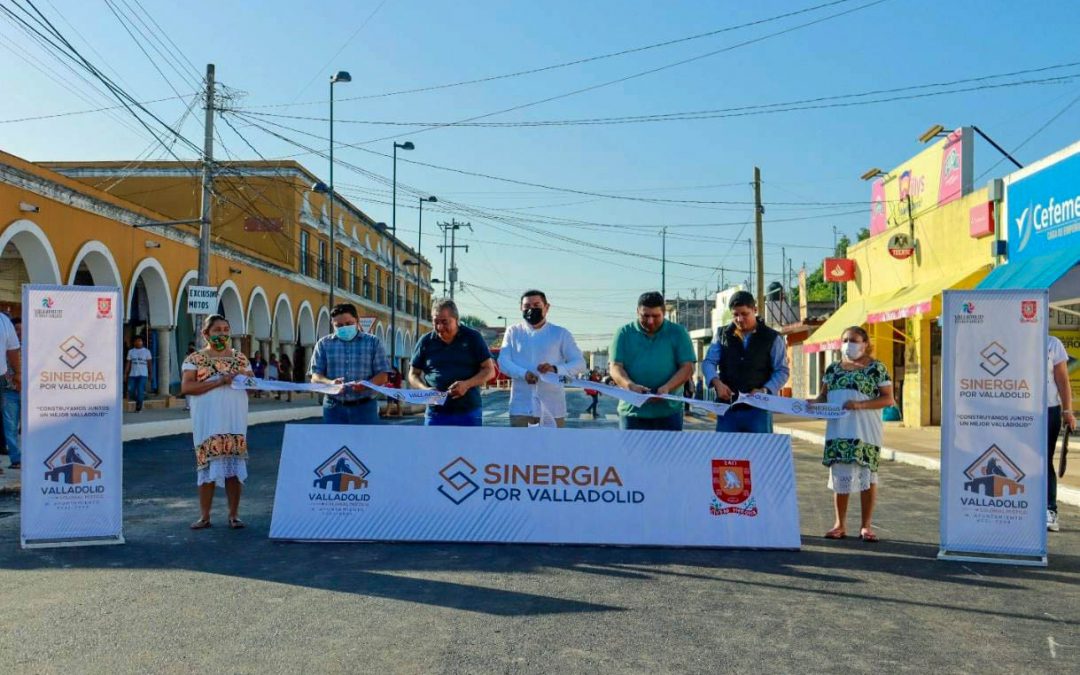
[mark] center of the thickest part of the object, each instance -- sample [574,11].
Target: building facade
[85,223]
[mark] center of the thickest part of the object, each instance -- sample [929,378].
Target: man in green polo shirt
[652,355]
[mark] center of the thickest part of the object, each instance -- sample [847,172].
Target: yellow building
[896,296]
[84,223]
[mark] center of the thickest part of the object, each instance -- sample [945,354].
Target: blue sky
[278,52]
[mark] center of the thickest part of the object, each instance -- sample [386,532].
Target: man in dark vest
[745,357]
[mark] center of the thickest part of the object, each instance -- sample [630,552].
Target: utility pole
[207,185]
[443,227]
[758,211]
[663,262]
[836,246]
[453,226]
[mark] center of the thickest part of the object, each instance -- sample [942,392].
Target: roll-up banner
[536,485]
[71,416]
[993,435]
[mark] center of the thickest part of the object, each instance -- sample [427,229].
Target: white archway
[380,335]
[305,324]
[258,315]
[158,294]
[322,326]
[99,262]
[35,251]
[409,346]
[233,307]
[284,328]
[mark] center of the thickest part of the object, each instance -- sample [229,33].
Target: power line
[567,64]
[329,61]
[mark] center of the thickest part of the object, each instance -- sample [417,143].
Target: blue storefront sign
[1044,211]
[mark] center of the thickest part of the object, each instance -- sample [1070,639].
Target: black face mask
[533,315]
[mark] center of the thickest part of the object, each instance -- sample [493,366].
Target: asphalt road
[173,600]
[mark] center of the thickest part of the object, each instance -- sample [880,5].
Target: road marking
[1053,646]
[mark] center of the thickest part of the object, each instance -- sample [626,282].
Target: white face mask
[853,350]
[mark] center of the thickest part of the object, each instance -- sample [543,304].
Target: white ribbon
[635,399]
[246,382]
[414,396]
[792,406]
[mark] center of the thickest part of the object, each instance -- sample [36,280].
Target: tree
[472,321]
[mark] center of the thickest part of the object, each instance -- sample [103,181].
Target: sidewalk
[918,447]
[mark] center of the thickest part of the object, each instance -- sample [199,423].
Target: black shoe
[15,465]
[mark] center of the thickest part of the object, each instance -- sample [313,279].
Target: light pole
[407,145]
[419,238]
[340,76]
[504,322]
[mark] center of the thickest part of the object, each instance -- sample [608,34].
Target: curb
[1066,495]
[135,432]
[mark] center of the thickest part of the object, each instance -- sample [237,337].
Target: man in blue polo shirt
[651,355]
[455,359]
[349,355]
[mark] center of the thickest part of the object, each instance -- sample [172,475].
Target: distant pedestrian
[349,355]
[219,417]
[1059,416]
[745,357]
[285,373]
[10,388]
[652,355]
[594,376]
[258,367]
[861,384]
[139,359]
[533,348]
[455,359]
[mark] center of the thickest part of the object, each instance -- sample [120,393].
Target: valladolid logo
[73,464]
[456,477]
[993,478]
[341,478]
[46,309]
[732,485]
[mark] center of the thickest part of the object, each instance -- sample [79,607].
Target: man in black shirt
[455,359]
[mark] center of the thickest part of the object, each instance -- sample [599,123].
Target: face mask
[218,343]
[533,315]
[853,350]
[346,332]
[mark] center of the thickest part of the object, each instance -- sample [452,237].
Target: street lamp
[939,130]
[340,76]
[407,145]
[419,238]
[504,322]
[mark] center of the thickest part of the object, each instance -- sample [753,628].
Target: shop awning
[922,298]
[1040,272]
[827,335]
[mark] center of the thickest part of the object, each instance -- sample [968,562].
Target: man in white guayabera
[533,348]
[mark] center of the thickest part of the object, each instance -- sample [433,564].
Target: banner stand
[994,427]
[72,416]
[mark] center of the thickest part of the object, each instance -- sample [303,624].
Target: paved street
[232,601]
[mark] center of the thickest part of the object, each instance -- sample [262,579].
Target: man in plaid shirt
[348,355]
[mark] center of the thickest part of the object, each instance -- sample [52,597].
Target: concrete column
[164,359]
[237,344]
[264,347]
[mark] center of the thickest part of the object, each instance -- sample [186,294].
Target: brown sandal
[201,524]
[236,524]
[868,535]
[835,533]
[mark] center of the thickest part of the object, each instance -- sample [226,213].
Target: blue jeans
[467,418]
[361,413]
[745,420]
[673,422]
[11,407]
[137,389]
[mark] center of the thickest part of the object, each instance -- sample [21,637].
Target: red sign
[1029,311]
[731,480]
[253,224]
[839,269]
[981,220]
[901,246]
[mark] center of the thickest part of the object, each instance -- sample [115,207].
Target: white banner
[792,406]
[252,383]
[415,396]
[993,431]
[560,486]
[72,474]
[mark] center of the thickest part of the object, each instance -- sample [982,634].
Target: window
[378,287]
[322,261]
[304,245]
[352,274]
[367,281]
[397,295]
[339,267]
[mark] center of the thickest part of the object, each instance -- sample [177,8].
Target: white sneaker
[1052,522]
